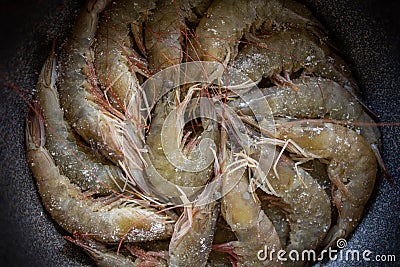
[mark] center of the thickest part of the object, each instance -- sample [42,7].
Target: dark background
[368,32]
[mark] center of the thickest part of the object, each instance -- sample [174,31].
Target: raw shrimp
[222,26]
[116,60]
[194,9]
[74,158]
[107,220]
[159,159]
[308,206]
[275,211]
[288,52]
[163,35]
[195,169]
[191,242]
[98,252]
[118,137]
[91,121]
[243,213]
[105,258]
[316,98]
[166,24]
[351,168]
[279,15]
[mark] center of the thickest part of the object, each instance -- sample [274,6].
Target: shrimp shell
[163,35]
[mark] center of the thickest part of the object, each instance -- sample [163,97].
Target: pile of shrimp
[200,133]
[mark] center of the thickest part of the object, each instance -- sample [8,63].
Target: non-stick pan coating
[366,31]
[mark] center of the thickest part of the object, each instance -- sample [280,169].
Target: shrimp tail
[334,234]
[35,128]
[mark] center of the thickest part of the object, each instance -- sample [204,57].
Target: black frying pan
[368,33]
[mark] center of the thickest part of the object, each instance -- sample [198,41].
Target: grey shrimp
[106,258]
[163,36]
[191,242]
[290,51]
[70,208]
[87,117]
[316,98]
[117,136]
[75,160]
[116,60]
[351,168]
[280,15]
[224,23]
[244,215]
[308,207]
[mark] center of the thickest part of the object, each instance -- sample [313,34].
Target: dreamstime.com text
[332,254]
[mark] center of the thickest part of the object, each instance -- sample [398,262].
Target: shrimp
[74,159]
[316,98]
[115,58]
[166,160]
[290,51]
[90,120]
[308,206]
[351,168]
[243,213]
[107,221]
[166,30]
[105,258]
[98,252]
[275,210]
[191,242]
[163,36]
[118,137]
[223,25]
[195,9]
[279,15]
[159,159]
